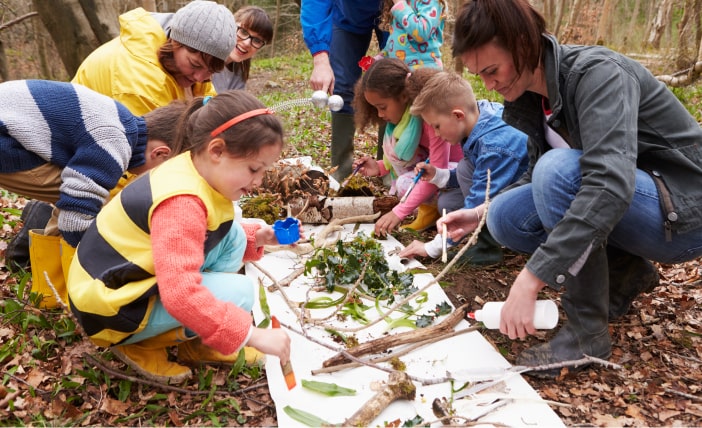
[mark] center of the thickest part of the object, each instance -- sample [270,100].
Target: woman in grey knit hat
[160,57]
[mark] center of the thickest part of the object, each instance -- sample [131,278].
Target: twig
[386,342]
[397,353]
[17,20]
[683,394]
[119,374]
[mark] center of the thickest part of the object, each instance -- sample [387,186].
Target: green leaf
[330,389]
[263,302]
[304,417]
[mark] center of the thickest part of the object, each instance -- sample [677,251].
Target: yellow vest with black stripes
[111,284]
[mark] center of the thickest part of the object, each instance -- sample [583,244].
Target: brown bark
[604,27]
[78,27]
[399,387]
[660,24]
[386,342]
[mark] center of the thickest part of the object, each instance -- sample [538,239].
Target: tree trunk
[572,18]
[77,33]
[560,10]
[149,5]
[632,23]
[3,63]
[659,24]
[603,27]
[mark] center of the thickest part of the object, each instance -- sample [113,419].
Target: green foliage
[344,263]
[328,389]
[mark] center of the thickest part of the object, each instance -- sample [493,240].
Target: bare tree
[604,27]
[660,23]
[78,27]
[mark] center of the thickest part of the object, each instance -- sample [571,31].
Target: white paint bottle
[545,314]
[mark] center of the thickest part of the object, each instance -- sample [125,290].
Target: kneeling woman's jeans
[521,218]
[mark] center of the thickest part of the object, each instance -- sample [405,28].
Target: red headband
[231,122]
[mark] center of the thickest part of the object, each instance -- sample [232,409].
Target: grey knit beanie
[206,26]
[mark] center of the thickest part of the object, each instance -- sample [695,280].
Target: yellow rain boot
[149,357]
[194,352]
[427,215]
[45,256]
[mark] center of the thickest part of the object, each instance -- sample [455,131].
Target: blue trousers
[345,50]
[219,276]
[520,218]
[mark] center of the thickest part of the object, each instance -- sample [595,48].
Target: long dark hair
[513,24]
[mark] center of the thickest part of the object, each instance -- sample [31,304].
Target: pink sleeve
[178,231]
[439,150]
[253,253]
[381,167]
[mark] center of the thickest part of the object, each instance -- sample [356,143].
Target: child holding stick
[159,265]
[384,94]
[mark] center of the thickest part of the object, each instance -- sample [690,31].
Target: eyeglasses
[255,41]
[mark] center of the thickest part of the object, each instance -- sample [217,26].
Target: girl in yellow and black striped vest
[159,265]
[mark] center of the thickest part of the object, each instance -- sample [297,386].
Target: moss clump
[265,206]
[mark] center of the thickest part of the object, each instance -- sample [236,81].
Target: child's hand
[429,170]
[415,248]
[368,166]
[266,236]
[274,341]
[387,224]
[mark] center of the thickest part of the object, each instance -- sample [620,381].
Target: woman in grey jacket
[615,176]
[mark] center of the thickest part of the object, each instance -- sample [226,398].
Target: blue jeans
[521,217]
[218,276]
[345,50]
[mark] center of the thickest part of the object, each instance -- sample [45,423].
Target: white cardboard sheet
[469,352]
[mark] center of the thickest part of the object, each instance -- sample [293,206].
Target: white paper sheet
[466,352]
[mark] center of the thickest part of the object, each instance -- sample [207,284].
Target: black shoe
[629,276]
[36,215]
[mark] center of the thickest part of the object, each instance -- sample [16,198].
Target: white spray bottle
[545,314]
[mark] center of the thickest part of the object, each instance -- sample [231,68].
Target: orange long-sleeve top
[178,231]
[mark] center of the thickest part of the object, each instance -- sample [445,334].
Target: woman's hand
[517,316]
[387,224]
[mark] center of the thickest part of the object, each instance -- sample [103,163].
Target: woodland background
[50,38]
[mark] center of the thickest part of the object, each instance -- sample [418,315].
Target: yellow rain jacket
[127,68]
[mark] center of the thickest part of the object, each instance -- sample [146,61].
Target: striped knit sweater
[92,137]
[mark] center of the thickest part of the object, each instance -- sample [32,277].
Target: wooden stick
[444,241]
[399,387]
[390,341]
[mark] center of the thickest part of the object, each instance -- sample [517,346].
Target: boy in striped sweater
[67,145]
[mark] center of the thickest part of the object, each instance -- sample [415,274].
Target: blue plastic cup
[287,231]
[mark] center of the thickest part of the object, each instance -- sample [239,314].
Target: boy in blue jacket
[448,104]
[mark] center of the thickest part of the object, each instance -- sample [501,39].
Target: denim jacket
[492,145]
[622,118]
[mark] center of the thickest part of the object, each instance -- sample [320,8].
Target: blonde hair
[443,92]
